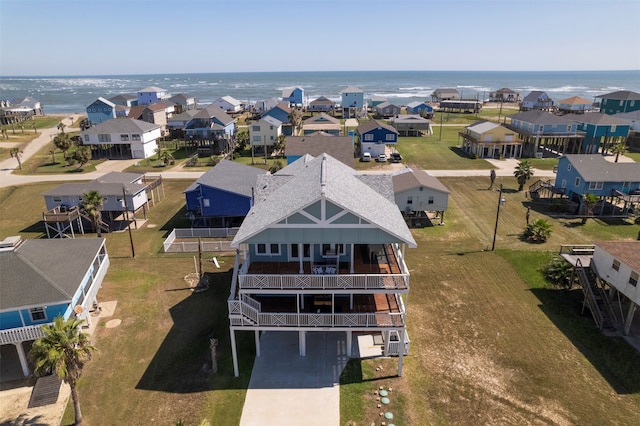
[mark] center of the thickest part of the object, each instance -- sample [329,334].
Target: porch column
[351,271]
[23,359]
[234,353]
[386,336]
[301,256]
[302,342]
[400,351]
[257,337]
[629,319]
[349,341]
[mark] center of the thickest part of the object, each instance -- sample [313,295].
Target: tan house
[321,123]
[411,125]
[486,139]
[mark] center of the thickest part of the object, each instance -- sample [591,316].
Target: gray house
[417,191]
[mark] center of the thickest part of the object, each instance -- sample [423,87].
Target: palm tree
[63,351]
[280,144]
[523,173]
[165,156]
[589,200]
[82,155]
[538,231]
[16,153]
[63,143]
[618,149]
[92,203]
[295,117]
[559,272]
[61,126]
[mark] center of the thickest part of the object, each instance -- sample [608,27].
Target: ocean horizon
[66,94]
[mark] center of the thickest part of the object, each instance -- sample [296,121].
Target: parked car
[366,157]
[395,157]
[381,158]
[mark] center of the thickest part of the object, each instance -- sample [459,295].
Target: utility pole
[126,212]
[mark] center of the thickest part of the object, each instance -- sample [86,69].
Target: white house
[228,103]
[618,263]
[418,191]
[265,132]
[136,136]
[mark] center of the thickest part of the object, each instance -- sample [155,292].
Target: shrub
[538,231]
[558,272]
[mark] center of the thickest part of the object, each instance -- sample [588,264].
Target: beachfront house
[265,105]
[375,135]
[376,100]
[322,249]
[620,101]
[40,280]
[322,104]
[321,123]
[445,94]
[601,131]
[210,123]
[229,104]
[19,110]
[151,95]
[504,95]
[574,105]
[123,138]
[183,102]
[417,191]
[536,99]
[281,112]
[617,263]
[546,134]
[352,102]
[421,108]
[486,139]
[411,125]
[315,144]
[578,174]
[265,132]
[223,195]
[386,109]
[100,111]
[124,99]
[293,95]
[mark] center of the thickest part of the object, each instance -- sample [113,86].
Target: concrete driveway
[287,389]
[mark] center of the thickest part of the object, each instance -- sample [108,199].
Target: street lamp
[501,202]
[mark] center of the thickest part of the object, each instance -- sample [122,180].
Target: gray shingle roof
[621,95]
[598,118]
[307,181]
[315,144]
[407,179]
[109,184]
[42,272]
[231,177]
[372,124]
[352,89]
[542,117]
[594,168]
[214,111]
[121,125]
[533,96]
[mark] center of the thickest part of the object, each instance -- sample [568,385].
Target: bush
[558,272]
[538,231]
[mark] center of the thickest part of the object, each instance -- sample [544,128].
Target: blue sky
[93,37]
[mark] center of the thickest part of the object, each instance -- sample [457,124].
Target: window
[563,184]
[295,253]
[621,103]
[135,137]
[430,199]
[267,249]
[616,265]
[124,138]
[368,137]
[595,185]
[261,249]
[333,249]
[206,202]
[577,181]
[391,137]
[625,187]
[632,103]
[104,138]
[38,314]
[530,127]
[57,199]
[613,128]
[409,199]
[257,138]
[86,138]
[255,128]
[633,278]
[274,248]
[569,128]
[568,167]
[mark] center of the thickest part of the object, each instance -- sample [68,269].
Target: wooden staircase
[595,297]
[541,189]
[103,225]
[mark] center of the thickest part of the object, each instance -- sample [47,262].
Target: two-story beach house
[578,174]
[375,135]
[322,249]
[321,123]
[265,132]
[620,101]
[600,130]
[352,102]
[151,95]
[543,133]
[100,111]
[40,280]
[574,105]
[486,139]
[123,138]
[417,191]
[536,99]
[293,95]
[411,125]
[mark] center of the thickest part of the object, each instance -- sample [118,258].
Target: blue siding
[278,114]
[12,319]
[353,100]
[221,203]
[613,106]
[297,96]
[379,136]
[99,112]
[292,158]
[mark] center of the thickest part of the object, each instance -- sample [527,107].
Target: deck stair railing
[540,188]
[593,298]
[601,287]
[103,225]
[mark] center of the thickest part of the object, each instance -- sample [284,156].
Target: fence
[173,243]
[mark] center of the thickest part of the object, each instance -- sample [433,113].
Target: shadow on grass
[23,419]
[353,373]
[616,360]
[37,227]
[178,220]
[182,364]
[460,153]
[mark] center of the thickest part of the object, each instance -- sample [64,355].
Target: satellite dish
[78,309]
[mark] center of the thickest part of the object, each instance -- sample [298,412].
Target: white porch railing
[170,244]
[393,346]
[21,334]
[323,282]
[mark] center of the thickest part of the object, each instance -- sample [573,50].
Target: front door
[294,249]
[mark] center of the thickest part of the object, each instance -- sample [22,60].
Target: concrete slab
[287,389]
[366,347]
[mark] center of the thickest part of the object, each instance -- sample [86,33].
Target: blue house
[100,111]
[223,194]
[209,123]
[43,279]
[151,95]
[375,135]
[421,108]
[124,99]
[281,113]
[546,134]
[620,101]
[537,99]
[293,95]
[601,130]
[579,174]
[352,101]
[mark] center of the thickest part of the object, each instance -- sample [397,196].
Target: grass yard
[490,343]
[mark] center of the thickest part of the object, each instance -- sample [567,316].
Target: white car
[366,157]
[381,158]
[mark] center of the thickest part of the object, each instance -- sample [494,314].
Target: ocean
[60,95]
